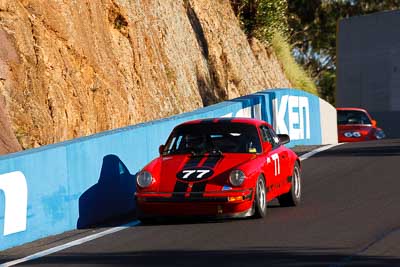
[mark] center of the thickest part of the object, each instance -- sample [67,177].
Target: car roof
[255,122]
[355,109]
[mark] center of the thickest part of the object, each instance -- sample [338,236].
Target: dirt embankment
[74,68]
[8,142]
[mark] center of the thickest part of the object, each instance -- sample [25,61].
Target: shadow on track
[242,257]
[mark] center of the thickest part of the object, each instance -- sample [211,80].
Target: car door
[271,164]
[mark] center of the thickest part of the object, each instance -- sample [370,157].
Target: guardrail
[78,183]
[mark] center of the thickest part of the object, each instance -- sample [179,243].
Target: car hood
[178,171]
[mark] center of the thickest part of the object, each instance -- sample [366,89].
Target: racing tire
[260,199]
[293,197]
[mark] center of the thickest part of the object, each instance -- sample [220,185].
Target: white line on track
[110,231]
[70,244]
[315,151]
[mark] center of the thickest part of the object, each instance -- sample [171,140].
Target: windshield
[352,117]
[213,138]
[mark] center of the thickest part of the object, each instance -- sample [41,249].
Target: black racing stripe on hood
[181,187]
[198,189]
[211,161]
[192,162]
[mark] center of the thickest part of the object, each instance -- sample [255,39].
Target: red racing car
[355,125]
[223,167]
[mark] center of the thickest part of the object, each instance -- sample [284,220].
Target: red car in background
[223,167]
[355,125]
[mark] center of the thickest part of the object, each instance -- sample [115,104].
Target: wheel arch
[298,161]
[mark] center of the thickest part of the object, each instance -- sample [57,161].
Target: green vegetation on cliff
[305,30]
[267,21]
[313,26]
[295,73]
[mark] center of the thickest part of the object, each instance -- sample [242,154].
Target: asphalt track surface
[349,216]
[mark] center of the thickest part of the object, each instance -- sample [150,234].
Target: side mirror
[283,138]
[161,149]
[267,147]
[373,123]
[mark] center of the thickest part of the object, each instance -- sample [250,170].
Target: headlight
[144,179]
[348,134]
[352,134]
[236,177]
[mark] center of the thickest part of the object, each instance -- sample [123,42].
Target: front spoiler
[229,204]
[246,194]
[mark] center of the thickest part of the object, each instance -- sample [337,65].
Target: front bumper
[233,203]
[343,139]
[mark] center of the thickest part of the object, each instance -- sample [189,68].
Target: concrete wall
[368,66]
[79,183]
[329,132]
[389,121]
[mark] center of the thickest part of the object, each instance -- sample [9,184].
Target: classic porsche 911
[222,167]
[355,125]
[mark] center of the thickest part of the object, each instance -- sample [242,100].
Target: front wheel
[293,197]
[260,200]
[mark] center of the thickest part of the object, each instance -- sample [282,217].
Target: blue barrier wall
[79,183]
[289,111]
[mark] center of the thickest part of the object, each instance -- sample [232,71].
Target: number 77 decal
[200,173]
[277,165]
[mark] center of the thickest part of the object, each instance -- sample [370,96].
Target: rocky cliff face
[74,68]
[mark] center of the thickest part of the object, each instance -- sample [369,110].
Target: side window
[173,145]
[274,137]
[266,136]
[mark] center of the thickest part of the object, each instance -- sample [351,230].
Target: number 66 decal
[194,174]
